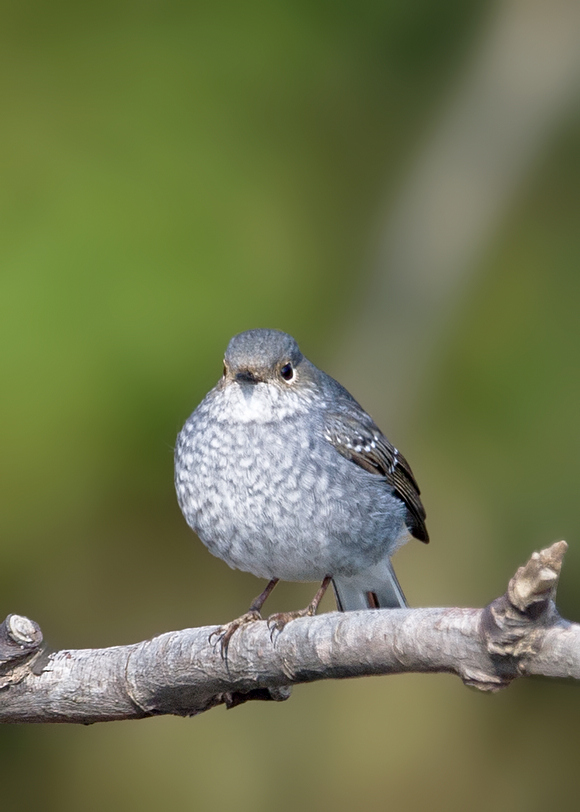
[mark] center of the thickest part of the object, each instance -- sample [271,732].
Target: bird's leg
[277,622]
[224,634]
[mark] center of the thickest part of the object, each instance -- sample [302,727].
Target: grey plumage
[281,473]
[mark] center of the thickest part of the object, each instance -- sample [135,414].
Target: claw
[224,634]
[278,621]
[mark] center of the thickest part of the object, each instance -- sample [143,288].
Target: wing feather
[355,435]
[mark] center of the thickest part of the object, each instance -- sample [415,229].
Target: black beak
[247,377]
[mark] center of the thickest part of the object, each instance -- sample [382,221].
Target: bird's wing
[355,435]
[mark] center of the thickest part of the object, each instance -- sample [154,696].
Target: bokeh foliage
[172,173]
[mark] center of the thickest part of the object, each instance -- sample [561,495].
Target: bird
[281,473]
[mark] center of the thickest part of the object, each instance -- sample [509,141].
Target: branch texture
[182,673]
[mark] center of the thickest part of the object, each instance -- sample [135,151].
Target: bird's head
[266,377]
[263,356]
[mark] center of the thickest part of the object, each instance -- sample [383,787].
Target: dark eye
[225,369]
[287,372]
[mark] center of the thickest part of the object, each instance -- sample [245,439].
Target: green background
[173,173]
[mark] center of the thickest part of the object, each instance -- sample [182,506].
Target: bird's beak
[247,377]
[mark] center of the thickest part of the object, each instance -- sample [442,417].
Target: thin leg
[225,633]
[258,602]
[277,622]
[313,605]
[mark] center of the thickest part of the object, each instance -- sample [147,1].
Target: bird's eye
[225,369]
[287,372]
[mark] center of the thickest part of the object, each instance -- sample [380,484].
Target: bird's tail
[375,588]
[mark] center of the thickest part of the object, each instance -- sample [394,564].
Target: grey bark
[183,673]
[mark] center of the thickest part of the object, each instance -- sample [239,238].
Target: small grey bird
[281,473]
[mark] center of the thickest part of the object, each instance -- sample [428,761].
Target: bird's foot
[278,621]
[224,634]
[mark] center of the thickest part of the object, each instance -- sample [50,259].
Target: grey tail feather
[376,588]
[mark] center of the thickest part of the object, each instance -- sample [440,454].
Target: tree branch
[181,673]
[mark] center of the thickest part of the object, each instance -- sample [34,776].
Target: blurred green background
[173,173]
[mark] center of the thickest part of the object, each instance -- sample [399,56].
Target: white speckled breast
[264,490]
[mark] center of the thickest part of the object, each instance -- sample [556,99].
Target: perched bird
[281,473]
